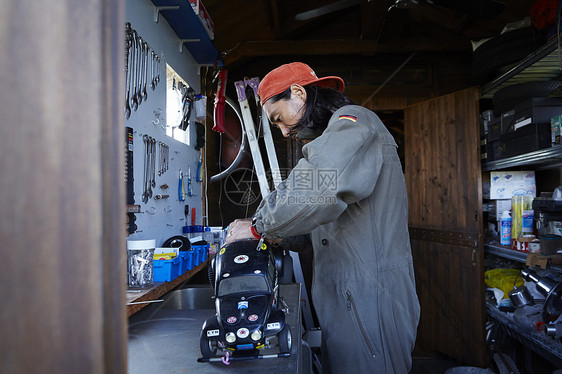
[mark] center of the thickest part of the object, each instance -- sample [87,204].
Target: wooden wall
[61,191]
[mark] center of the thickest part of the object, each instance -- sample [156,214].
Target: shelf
[510,254]
[548,157]
[542,64]
[505,252]
[529,336]
[153,293]
[189,29]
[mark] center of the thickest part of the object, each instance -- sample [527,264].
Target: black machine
[245,276]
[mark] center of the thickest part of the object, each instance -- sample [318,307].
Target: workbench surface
[167,341]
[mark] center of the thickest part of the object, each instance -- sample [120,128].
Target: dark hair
[321,103]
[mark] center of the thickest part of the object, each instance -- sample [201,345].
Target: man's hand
[241,229]
[238,230]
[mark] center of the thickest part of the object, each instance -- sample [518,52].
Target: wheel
[242,150]
[285,339]
[208,347]
[287,276]
[211,272]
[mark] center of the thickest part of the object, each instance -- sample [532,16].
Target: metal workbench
[167,341]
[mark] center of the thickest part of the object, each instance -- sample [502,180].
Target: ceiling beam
[272,11]
[373,14]
[343,47]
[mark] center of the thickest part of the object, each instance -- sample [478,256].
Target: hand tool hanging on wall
[187,98]
[139,56]
[146,161]
[162,157]
[181,193]
[128,61]
[153,171]
[134,70]
[199,177]
[189,192]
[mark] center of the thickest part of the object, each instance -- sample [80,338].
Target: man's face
[285,114]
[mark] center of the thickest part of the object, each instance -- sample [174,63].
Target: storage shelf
[144,296]
[542,64]
[510,254]
[548,157]
[545,346]
[187,26]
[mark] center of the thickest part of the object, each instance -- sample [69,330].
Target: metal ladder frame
[276,174]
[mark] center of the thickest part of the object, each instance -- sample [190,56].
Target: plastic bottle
[505,228]
[527,221]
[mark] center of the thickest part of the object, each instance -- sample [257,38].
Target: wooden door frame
[62,194]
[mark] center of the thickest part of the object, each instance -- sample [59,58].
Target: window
[179,100]
[244,283]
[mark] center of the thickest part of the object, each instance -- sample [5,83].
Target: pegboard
[162,218]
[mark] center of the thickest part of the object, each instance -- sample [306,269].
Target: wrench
[145,192]
[154,163]
[159,158]
[145,72]
[149,170]
[157,69]
[139,70]
[128,43]
[134,101]
[152,83]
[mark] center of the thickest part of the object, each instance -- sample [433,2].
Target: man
[349,193]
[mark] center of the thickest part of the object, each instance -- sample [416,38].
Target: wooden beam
[373,14]
[273,15]
[343,47]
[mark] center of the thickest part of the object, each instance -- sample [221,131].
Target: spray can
[505,228]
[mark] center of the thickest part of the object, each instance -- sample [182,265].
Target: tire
[208,347]
[286,277]
[211,272]
[184,243]
[503,50]
[285,339]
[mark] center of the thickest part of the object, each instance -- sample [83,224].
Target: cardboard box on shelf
[204,17]
[506,184]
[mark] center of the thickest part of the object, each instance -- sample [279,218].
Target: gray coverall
[349,192]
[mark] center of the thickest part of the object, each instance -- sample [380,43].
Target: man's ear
[298,91]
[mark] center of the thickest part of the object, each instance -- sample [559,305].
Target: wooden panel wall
[442,162]
[62,213]
[444,201]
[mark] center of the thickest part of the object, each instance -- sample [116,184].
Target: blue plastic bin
[196,255]
[202,252]
[166,270]
[186,261]
[205,250]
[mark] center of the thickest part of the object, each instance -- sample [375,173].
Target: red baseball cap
[281,78]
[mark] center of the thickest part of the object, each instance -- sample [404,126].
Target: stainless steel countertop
[165,340]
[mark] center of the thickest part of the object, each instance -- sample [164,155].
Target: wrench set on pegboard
[142,68]
[150,165]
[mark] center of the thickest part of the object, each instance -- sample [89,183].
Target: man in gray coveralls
[349,193]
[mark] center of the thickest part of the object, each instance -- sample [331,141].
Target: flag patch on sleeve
[348,117]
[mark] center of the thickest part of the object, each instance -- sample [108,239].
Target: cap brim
[332,82]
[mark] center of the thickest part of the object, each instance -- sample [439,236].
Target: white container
[139,259]
[505,228]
